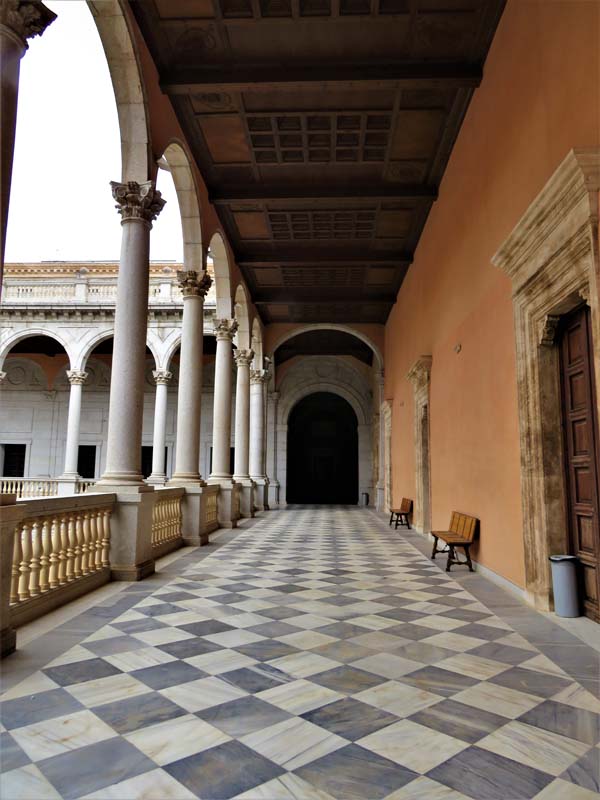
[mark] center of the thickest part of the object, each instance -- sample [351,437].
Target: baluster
[93,546]
[53,571]
[98,518]
[71,549]
[45,555]
[36,551]
[63,550]
[106,537]
[78,546]
[85,542]
[16,563]
[25,565]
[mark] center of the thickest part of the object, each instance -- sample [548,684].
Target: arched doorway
[322,452]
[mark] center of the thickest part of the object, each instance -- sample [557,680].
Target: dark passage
[322,455]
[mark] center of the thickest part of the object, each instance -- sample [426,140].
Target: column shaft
[189,398]
[138,204]
[76,378]
[18,22]
[224,329]
[162,378]
[242,414]
[257,424]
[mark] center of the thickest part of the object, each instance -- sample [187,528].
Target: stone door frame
[551,257]
[420,377]
[385,418]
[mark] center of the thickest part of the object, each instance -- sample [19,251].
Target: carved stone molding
[162,376]
[420,373]
[258,376]
[551,258]
[137,201]
[385,415]
[25,18]
[243,358]
[77,377]
[225,329]
[194,284]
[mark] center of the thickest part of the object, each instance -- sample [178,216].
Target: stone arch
[220,258]
[302,390]
[12,340]
[128,87]
[177,162]
[172,348]
[334,327]
[243,318]
[97,339]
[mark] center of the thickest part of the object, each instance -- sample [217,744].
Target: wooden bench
[463,530]
[401,514]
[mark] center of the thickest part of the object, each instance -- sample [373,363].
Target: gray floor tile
[33,708]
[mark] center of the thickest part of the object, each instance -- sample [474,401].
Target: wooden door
[581,450]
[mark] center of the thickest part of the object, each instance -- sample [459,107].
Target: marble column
[194,286]
[70,475]
[258,378]
[20,20]
[241,474]
[131,556]
[138,204]
[228,510]
[162,378]
[273,492]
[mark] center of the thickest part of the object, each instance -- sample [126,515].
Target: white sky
[67,150]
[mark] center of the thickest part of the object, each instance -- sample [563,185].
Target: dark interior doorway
[322,453]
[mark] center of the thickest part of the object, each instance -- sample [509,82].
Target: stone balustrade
[211,519]
[29,487]
[60,551]
[167,520]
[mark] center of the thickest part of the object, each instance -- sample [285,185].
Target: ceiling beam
[329,297]
[265,193]
[388,259]
[261,77]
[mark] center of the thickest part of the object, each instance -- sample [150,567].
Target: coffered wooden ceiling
[322,129]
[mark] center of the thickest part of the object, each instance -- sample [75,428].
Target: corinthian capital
[137,200]
[258,375]
[77,377]
[25,18]
[225,328]
[162,376]
[243,358]
[194,284]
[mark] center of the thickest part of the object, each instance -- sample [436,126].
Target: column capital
[25,18]
[77,377]
[225,329]
[137,200]
[162,376]
[194,284]
[258,376]
[274,397]
[243,358]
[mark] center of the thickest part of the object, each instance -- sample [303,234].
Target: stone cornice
[137,201]
[25,18]
[566,210]
[194,284]
[72,269]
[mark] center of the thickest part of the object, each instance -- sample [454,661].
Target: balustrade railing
[211,519]
[29,487]
[83,486]
[166,520]
[60,544]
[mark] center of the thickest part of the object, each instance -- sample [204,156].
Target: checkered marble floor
[318,655]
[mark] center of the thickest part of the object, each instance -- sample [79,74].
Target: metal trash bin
[564,582]
[365,499]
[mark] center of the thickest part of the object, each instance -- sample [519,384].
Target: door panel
[581,450]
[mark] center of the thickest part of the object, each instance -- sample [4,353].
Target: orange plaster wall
[540,97]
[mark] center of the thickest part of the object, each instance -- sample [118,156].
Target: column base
[67,484]
[228,501]
[261,493]
[273,494]
[156,480]
[246,496]
[131,556]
